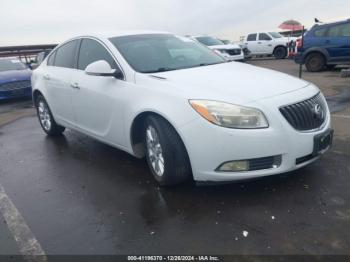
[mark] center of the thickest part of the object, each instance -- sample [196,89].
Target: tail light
[299,43]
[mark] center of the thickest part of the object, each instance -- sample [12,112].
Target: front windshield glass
[275,35]
[11,64]
[153,53]
[209,41]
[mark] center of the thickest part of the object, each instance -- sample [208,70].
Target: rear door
[57,76]
[338,42]
[251,43]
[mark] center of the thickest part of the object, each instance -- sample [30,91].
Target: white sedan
[184,107]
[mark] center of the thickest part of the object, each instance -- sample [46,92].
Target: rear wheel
[165,152]
[280,52]
[315,62]
[46,119]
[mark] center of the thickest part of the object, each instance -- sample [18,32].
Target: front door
[98,100]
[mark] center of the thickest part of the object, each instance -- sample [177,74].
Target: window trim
[54,52]
[256,37]
[108,50]
[80,38]
[264,39]
[330,27]
[318,29]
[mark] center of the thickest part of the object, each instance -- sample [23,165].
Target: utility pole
[302,48]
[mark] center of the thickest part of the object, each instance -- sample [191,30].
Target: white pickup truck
[267,43]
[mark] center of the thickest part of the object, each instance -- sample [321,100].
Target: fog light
[235,166]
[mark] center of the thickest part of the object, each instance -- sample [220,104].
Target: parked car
[14,79]
[231,52]
[267,43]
[247,54]
[325,45]
[184,107]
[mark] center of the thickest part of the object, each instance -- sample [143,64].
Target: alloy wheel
[44,115]
[154,151]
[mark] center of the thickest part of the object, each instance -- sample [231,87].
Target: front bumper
[209,145]
[235,57]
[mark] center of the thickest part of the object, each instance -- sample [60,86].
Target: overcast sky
[52,21]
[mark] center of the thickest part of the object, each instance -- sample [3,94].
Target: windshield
[153,53]
[209,41]
[7,65]
[275,35]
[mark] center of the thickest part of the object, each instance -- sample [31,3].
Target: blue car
[325,45]
[14,79]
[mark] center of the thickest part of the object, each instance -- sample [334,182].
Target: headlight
[228,115]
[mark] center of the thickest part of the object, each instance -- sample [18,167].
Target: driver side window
[92,51]
[264,37]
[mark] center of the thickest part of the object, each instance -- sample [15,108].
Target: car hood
[230,46]
[15,75]
[232,82]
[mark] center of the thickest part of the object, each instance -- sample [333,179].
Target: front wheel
[165,152]
[280,52]
[46,119]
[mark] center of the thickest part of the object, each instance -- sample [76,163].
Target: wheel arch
[321,51]
[277,46]
[136,132]
[36,94]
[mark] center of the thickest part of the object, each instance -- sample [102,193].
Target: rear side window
[51,59]
[65,55]
[264,36]
[92,51]
[320,32]
[339,30]
[252,37]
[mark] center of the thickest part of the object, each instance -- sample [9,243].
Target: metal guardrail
[26,52]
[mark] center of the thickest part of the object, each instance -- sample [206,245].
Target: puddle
[340,101]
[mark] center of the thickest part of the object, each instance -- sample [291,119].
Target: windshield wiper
[208,64]
[161,69]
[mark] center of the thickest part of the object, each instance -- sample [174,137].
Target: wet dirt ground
[79,196]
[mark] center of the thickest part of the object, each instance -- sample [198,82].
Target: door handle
[259,43]
[327,41]
[75,86]
[47,77]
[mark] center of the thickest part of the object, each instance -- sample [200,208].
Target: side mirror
[102,68]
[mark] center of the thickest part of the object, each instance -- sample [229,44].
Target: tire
[165,152]
[46,119]
[280,52]
[315,62]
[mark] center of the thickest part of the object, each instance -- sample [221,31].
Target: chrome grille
[306,115]
[234,51]
[15,85]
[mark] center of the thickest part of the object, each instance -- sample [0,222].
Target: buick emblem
[318,112]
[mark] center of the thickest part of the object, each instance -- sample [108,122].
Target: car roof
[330,23]
[124,33]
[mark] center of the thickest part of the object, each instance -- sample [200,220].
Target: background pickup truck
[267,43]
